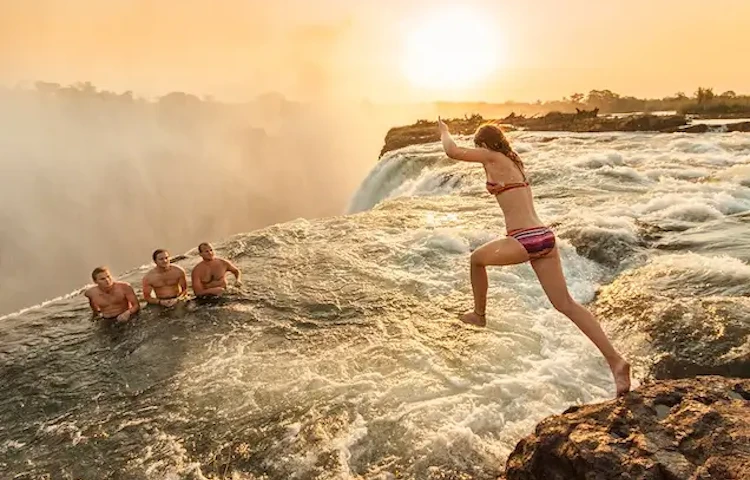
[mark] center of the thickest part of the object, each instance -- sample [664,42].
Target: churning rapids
[341,357]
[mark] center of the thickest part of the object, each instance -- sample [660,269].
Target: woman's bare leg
[505,251]
[550,273]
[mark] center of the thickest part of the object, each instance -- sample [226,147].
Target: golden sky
[236,49]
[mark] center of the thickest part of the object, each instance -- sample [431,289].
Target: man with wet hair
[168,282]
[111,300]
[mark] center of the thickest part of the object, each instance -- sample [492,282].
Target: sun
[451,48]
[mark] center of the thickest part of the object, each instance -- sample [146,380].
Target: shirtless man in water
[208,277]
[109,299]
[167,281]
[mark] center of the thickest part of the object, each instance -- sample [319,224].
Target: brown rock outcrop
[689,429]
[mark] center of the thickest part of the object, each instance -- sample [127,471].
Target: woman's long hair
[491,137]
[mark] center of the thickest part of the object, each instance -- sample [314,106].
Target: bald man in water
[208,277]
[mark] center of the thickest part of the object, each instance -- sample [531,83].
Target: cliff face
[427,132]
[582,121]
[690,429]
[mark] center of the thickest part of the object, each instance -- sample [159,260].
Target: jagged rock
[691,429]
[699,128]
[427,132]
[580,121]
[739,127]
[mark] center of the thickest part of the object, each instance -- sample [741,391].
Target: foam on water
[693,204]
[342,357]
[599,160]
[739,174]
[398,171]
[708,274]
[695,145]
[417,385]
[676,172]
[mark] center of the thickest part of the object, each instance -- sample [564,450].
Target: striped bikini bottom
[538,241]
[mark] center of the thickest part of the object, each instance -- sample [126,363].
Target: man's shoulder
[89,292]
[124,285]
[202,265]
[151,273]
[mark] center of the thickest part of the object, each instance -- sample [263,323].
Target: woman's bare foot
[621,372]
[473,318]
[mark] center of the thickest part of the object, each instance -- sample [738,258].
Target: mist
[93,177]
[132,126]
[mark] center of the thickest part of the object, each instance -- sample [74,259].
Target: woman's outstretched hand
[442,127]
[445,137]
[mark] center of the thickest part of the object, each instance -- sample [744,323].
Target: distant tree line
[82,97]
[704,101]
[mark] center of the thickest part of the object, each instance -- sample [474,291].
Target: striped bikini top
[497,189]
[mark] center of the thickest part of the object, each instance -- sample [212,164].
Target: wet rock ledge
[687,429]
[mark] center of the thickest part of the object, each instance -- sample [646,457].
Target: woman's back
[508,183]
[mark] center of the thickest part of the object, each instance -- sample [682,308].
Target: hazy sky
[354,48]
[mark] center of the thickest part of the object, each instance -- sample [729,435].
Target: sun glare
[451,48]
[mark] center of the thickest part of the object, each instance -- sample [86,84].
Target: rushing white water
[341,356]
